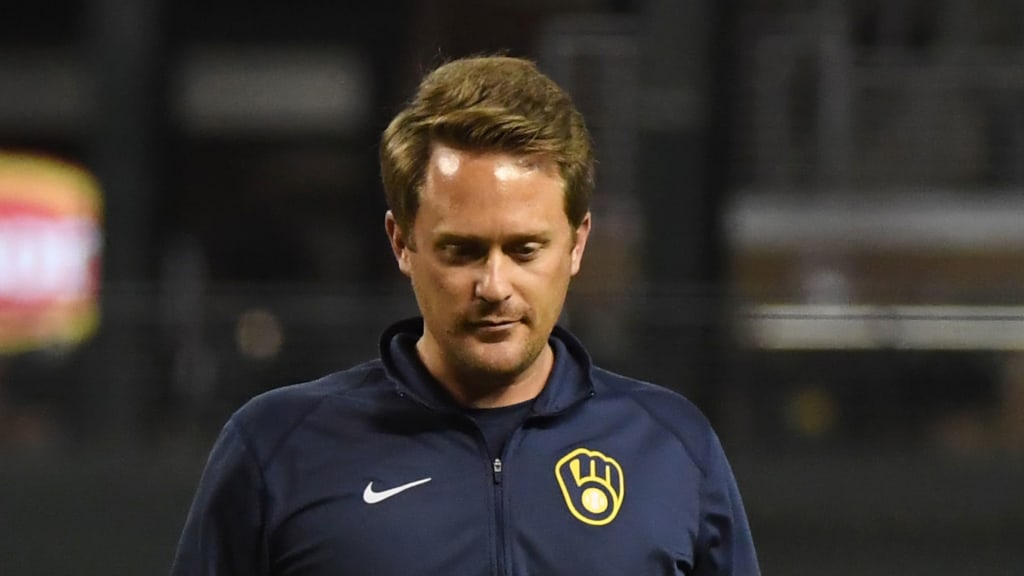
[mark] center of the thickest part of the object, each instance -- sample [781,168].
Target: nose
[493,284]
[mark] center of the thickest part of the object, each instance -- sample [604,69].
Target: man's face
[490,255]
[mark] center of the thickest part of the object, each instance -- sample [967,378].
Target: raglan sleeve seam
[248,445]
[287,433]
[700,461]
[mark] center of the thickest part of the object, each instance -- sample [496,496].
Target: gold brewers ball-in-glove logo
[593,485]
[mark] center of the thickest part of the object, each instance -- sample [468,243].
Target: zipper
[497,467]
[497,470]
[501,562]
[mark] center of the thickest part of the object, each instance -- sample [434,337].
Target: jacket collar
[569,382]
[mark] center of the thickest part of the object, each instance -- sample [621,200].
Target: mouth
[493,325]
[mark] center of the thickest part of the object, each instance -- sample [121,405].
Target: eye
[525,251]
[460,252]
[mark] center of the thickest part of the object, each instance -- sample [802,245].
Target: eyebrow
[451,237]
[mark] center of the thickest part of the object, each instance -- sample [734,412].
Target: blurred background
[809,219]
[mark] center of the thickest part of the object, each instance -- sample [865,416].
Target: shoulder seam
[282,439]
[697,460]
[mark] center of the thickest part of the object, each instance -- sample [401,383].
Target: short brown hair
[491,104]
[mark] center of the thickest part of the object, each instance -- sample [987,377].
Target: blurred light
[833,327]
[892,219]
[217,90]
[812,413]
[50,244]
[258,90]
[259,334]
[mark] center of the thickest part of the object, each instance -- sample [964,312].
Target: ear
[399,243]
[580,243]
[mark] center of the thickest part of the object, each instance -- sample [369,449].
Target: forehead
[491,175]
[449,161]
[494,188]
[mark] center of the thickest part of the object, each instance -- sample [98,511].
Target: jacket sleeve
[725,546]
[223,534]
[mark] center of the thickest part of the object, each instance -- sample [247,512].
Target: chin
[498,359]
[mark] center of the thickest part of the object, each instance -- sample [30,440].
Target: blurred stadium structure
[810,219]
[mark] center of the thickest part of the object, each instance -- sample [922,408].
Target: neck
[484,389]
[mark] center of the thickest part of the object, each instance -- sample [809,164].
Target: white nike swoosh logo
[370,496]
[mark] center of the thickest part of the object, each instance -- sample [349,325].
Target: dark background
[807,220]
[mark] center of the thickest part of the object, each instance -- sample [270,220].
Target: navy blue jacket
[375,472]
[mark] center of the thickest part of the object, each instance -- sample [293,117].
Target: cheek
[548,286]
[447,287]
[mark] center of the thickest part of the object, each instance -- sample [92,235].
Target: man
[482,441]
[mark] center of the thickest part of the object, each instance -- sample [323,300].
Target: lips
[493,323]
[492,326]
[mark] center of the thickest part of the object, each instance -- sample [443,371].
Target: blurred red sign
[50,244]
